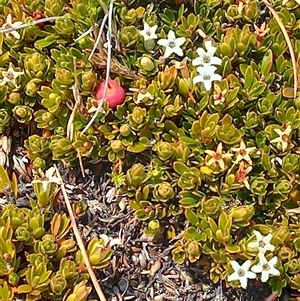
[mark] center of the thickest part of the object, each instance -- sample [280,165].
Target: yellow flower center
[265,267]
[241,273]
[172,45]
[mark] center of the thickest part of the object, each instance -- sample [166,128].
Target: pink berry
[115,94]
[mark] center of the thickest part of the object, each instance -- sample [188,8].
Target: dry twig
[79,240]
[71,125]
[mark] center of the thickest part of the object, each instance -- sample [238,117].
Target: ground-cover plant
[207,133]
[38,259]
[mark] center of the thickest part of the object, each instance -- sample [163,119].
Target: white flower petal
[246,265]
[234,276]
[163,42]
[215,60]
[9,19]
[146,26]
[274,272]
[250,275]
[171,35]
[179,41]
[264,276]
[216,77]
[197,61]
[210,48]
[178,51]
[273,261]
[207,84]
[235,265]
[201,52]
[168,52]
[197,79]
[256,268]
[244,282]
[266,239]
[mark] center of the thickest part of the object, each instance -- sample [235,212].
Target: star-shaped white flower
[8,24]
[218,156]
[172,44]
[284,137]
[266,268]
[206,76]
[149,32]
[243,153]
[206,57]
[241,273]
[10,76]
[262,243]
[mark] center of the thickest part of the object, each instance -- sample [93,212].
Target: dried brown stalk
[288,41]
[100,60]
[79,240]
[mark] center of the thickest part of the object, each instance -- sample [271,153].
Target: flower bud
[286,254]
[23,114]
[242,213]
[136,175]
[138,115]
[39,163]
[181,151]
[281,235]
[164,192]
[31,89]
[116,146]
[89,81]
[125,130]
[147,63]
[64,76]
[164,150]
[193,251]
[226,49]
[154,228]
[14,98]
[211,206]
[58,284]
[13,279]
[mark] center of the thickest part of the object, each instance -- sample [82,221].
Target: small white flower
[218,156]
[284,137]
[49,179]
[206,76]
[172,44]
[141,96]
[262,243]
[148,32]
[8,24]
[243,153]
[10,76]
[241,273]
[266,268]
[206,57]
